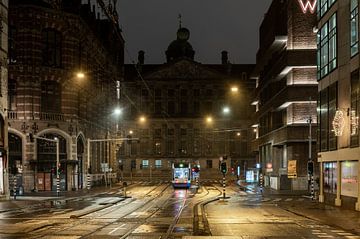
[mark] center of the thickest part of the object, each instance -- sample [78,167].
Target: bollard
[57,186]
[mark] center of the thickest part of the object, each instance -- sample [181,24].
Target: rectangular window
[158,163]
[323,6]
[157,93]
[12,44]
[171,92]
[354,109]
[327,47]
[51,51]
[196,92]
[183,108]
[170,147]
[330,177]
[145,163]
[171,132]
[209,164]
[158,107]
[354,27]
[196,108]
[171,107]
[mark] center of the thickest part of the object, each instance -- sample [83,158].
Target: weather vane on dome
[179,17]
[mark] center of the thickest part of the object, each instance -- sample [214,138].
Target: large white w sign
[308,5]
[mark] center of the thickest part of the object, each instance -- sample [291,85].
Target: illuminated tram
[181,175]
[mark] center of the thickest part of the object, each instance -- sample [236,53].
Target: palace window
[50,97]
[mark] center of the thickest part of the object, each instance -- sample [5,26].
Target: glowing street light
[131,132]
[226,110]
[238,134]
[80,75]
[117,111]
[209,119]
[234,89]
[142,119]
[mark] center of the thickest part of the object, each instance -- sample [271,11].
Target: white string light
[338,123]
[354,121]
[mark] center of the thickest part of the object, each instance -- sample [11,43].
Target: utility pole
[56,140]
[88,153]
[311,163]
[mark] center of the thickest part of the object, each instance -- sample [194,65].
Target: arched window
[50,97]
[51,53]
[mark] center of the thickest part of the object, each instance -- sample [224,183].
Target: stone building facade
[338,75]
[4,184]
[285,95]
[51,43]
[168,108]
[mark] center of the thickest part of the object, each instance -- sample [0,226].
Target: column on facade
[321,189]
[338,182]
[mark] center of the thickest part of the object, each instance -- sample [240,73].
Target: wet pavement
[155,210]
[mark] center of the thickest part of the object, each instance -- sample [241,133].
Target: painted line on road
[117,228]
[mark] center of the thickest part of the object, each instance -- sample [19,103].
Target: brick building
[175,100]
[4,186]
[285,95]
[338,75]
[50,43]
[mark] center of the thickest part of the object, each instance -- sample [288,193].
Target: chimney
[224,57]
[141,57]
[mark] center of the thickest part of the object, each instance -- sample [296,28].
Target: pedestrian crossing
[252,199]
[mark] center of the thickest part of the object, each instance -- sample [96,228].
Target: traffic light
[310,167]
[196,169]
[223,167]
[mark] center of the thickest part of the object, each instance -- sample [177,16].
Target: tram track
[85,219]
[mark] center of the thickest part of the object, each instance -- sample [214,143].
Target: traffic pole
[261,182]
[88,181]
[312,188]
[14,188]
[224,186]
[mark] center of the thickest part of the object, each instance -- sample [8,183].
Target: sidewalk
[331,215]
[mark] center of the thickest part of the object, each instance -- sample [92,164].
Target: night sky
[214,25]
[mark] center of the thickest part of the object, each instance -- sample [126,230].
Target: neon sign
[308,6]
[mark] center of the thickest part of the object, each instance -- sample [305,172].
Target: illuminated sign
[309,5]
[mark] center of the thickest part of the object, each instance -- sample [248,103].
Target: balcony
[15,115]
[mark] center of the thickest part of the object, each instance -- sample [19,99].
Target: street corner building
[286,95]
[65,62]
[185,111]
[338,103]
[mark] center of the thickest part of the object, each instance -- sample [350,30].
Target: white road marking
[117,228]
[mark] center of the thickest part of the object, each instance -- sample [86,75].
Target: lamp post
[56,140]
[88,153]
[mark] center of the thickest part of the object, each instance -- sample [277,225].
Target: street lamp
[142,119]
[209,119]
[226,110]
[234,89]
[117,111]
[80,75]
